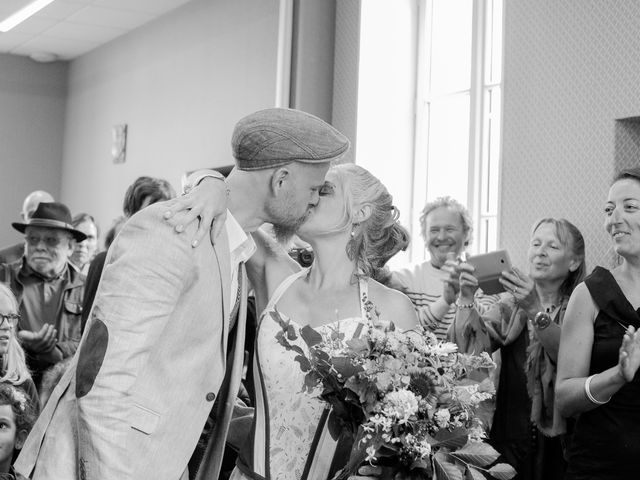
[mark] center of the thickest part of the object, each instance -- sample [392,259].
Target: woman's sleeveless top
[289,438]
[606,440]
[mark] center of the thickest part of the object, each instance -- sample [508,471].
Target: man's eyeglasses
[49,241]
[10,318]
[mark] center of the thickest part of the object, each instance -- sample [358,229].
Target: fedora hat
[51,215]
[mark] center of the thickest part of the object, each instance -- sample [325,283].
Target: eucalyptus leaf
[477,453]
[502,471]
[473,474]
[454,439]
[310,336]
[305,365]
[358,345]
[446,470]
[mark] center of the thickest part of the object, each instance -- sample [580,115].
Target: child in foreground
[17,416]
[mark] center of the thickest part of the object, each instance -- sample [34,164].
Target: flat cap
[277,136]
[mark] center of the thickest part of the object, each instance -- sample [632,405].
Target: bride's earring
[351,244]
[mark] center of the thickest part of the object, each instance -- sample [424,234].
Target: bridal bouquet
[406,399]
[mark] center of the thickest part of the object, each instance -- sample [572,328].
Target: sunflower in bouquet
[406,399]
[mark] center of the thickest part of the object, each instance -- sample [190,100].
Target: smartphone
[489,268]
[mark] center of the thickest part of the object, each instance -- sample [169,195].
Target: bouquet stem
[357,457]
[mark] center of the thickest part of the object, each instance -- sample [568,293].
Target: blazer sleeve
[147,269]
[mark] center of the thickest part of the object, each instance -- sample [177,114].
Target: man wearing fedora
[157,352]
[14,252]
[49,290]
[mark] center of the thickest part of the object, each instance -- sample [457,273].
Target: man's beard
[284,226]
[284,231]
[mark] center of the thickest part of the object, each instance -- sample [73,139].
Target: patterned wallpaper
[627,143]
[571,69]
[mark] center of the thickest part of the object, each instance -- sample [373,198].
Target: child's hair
[24,412]
[13,367]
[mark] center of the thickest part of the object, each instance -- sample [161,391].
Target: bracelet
[587,391]
[461,306]
[217,177]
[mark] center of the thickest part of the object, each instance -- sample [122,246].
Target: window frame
[485,125]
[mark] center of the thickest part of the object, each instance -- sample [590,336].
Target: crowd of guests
[566,343]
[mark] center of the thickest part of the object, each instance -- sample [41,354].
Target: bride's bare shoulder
[393,305]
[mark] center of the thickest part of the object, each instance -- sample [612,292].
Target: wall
[180,84]
[570,69]
[313,57]
[32,110]
[385,122]
[345,72]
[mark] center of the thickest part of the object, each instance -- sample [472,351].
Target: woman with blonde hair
[525,327]
[13,367]
[353,231]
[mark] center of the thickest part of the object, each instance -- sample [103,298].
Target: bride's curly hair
[378,238]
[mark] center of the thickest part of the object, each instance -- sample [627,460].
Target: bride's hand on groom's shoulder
[205,203]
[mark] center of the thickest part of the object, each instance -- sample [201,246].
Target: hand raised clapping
[629,356]
[451,286]
[42,341]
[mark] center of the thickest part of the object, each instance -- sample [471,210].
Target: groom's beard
[284,231]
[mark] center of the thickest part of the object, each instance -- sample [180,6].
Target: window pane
[493,66]
[491,152]
[451,32]
[448,148]
[488,236]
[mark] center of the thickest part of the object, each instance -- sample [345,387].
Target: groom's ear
[278,179]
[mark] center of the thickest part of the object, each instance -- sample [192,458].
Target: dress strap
[284,285]
[366,305]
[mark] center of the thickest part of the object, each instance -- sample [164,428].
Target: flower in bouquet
[406,398]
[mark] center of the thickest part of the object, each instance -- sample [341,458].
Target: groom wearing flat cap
[156,352]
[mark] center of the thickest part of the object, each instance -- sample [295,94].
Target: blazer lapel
[221,249]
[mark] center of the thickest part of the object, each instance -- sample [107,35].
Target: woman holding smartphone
[525,327]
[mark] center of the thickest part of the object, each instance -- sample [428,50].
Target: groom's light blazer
[150,364]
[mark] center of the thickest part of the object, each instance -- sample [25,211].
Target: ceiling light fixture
[43,57]
[22,14]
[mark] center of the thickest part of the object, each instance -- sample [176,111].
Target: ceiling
[70,28]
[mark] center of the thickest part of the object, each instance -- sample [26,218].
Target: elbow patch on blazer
[91,356]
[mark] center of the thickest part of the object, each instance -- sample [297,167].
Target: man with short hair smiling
[48,289]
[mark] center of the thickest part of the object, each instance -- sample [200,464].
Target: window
[456,69]
[458,110]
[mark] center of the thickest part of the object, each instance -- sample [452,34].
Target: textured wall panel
[571,69]
[627,143]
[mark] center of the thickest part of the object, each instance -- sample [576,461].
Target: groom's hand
[206,203]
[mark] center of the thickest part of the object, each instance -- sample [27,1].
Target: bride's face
[329,216]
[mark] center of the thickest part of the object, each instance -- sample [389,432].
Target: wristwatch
[541,321]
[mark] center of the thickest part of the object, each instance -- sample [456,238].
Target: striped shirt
[423,284]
